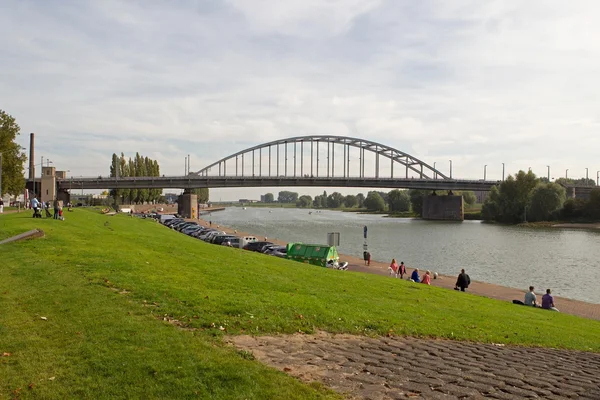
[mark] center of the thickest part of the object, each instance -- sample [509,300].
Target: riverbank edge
[566,305]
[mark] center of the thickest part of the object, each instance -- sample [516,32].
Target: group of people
[399,270]
[39,206]
[531,300]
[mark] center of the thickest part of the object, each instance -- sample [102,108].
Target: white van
[244,240]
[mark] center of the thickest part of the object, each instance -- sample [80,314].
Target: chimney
[31,159]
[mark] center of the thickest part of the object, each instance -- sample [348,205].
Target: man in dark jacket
[463,281]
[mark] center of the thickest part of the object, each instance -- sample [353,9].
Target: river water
[568,261]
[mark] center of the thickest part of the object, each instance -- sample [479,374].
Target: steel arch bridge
[297,167]
[317,161]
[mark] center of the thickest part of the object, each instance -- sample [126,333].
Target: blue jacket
[415,276]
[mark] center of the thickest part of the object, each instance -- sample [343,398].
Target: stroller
[37,213]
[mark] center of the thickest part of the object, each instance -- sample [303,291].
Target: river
[568,261]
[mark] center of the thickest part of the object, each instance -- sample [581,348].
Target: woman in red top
[426,278]
[394,267]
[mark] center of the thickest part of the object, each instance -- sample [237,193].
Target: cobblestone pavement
[401,368]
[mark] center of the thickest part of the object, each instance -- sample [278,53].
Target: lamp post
[450,169]
[435,173]
[597,178]
[586,177]
[548,173]
[484,171]
[567,173]
[502,172]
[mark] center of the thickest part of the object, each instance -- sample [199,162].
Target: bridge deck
[195,181]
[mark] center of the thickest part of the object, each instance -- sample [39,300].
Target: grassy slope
[99,343]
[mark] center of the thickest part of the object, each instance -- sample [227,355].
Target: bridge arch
[406,161]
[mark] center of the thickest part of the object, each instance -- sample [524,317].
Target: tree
[287,197]
[304,201]
[374,202]
[13,158]
[469,197]
[593,204]
[545,199]
[350,201]
[269,198]
[335,200]
[416,200]
[360,200]
[398,200]
[507,203]
[202,193]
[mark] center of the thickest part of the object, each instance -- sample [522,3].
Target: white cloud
[476,82]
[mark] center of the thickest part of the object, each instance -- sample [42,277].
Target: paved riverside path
[401,368]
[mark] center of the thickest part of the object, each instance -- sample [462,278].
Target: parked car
[201,232]
[248,239]
[176,224]
[208,238]
[255,246]
[190,229]
[221,238]
[234,242]
[267,247]
[279,251]
[172,221]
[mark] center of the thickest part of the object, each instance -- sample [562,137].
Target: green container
[315,254]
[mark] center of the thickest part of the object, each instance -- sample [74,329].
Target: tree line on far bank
[527,198]
[395,201]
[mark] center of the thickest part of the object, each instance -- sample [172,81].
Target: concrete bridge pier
[187,205]
[64,196]
[445,208]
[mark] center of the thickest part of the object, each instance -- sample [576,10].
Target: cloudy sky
[476,82]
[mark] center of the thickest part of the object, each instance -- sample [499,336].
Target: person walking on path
[394,267]
[401,269]
[463,281]
[427,278]
[366,256]
[1,205]
[530,299]
[548,301]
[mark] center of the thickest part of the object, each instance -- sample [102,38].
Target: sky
[476,82]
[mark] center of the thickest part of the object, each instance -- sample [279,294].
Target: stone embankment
[401,368]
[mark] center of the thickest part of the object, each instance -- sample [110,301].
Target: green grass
[109,286]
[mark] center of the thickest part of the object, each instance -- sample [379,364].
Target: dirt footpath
[401,368]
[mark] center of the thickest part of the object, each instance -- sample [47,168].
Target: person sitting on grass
[463,281]
[415,276]
[530,299]
[427,278]
[548,301]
